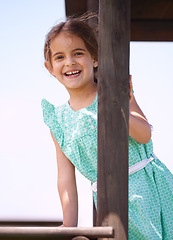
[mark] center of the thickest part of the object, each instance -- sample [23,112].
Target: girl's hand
[62,225]
[130,88]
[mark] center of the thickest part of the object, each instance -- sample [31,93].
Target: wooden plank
[75,7]
[113,116]
[151,20]
[152,9]
[54,232]
[152,30]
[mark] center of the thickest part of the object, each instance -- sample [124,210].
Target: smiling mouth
[72,73]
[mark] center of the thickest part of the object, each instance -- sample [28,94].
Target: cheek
[89,64]
[57,68]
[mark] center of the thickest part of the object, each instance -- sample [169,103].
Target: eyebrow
[81,49]
[76,49]
[57,53]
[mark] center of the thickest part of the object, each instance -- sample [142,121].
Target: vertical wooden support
[93,5]
[113,119]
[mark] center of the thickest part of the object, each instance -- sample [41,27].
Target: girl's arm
[67,188]
[139,128]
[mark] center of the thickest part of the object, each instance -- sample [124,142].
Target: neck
[82,98]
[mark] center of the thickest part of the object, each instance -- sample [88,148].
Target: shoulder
[53,119]
[52,112]
[49,107]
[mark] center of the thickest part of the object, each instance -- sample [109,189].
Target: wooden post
[113,116]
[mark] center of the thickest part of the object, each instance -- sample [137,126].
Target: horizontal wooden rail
[55,232]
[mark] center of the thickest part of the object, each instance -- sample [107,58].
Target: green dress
[150,188]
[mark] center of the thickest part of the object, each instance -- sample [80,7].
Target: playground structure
[114,37]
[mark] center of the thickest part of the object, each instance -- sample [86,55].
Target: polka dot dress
[150,189]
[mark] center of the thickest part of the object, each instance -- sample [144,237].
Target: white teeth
[72,73]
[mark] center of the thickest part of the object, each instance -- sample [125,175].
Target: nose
[70,61]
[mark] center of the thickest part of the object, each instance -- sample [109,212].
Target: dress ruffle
[50,119]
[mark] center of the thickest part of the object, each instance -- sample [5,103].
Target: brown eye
[60,57]
[78,53]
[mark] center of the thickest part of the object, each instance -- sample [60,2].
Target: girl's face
[72,64]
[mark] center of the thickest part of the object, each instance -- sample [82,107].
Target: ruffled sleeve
[51,120]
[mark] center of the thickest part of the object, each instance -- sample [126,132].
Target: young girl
[71,55]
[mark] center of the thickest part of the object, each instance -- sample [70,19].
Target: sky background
[28,171]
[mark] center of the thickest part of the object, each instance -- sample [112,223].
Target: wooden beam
[151,20]
[151,30]
[93,5]
[113,116]
[54,232]
[76,8]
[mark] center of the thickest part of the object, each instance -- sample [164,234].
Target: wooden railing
[59,233]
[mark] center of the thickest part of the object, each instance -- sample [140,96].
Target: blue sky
[28,179]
